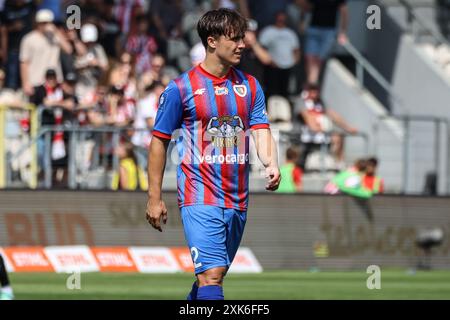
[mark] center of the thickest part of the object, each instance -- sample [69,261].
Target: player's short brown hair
[221,22]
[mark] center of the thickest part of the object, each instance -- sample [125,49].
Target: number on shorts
[194,253]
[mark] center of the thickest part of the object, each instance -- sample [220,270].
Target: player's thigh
[205,233]
[236,221]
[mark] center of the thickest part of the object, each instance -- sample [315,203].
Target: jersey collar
[213,77]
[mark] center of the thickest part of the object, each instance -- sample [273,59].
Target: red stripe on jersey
[226,169]
[161,135]
[202,108]
[252,84]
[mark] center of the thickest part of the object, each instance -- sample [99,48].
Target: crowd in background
[111,71]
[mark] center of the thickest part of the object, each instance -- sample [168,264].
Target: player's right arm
[168,119]
[156,208]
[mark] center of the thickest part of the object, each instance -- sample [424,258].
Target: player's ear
[212,42]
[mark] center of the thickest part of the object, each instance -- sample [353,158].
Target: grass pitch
[395,284]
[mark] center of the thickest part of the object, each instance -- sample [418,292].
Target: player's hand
[273,177]
[156,210]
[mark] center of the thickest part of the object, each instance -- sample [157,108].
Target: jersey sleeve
[169,114]
[258,116]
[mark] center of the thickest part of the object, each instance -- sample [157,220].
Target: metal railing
[362,64]
[104,157]
[293,137]
[437,122]
[413,17]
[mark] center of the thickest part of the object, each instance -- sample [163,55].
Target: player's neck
[214,66]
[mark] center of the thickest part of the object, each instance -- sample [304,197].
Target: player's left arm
[268,155]
[264,141]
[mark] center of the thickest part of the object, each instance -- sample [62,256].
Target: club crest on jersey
[220,91]
[224,130]
[240,90]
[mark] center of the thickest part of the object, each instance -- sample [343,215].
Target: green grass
[395,284]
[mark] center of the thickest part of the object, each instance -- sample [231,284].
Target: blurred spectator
[9,96]
[109,30]
[59,102]
[16,129]
[40,50]
[122,74]
[68,59]
[197,54]
[114,110]
[127,178]
[91,60]
[167,16]
[146,114]
[54,6]
[15,22]
[320,35]
[238,5]
[317,128]
[284,49]
[52,95]
[144,121]
[126,12]
[291,174]
[350,181]
[371,181]
[443,17]
[254,57]
[263,11]
[160,71]
[142,46]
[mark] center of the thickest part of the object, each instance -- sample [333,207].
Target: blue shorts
[213,234]
[319,41]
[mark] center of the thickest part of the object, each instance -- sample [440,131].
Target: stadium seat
[279,112]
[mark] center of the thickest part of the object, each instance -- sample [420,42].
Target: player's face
[229,48]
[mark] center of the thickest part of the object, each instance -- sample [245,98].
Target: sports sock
[210,293]
[193,294]
[4,281]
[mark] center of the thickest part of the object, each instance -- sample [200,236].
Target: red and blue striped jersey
[211,118]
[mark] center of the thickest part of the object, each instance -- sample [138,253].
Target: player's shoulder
[244,76]
[180,80]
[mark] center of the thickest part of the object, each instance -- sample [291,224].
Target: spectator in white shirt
[284,48]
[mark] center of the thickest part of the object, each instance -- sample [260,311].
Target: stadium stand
[372,89]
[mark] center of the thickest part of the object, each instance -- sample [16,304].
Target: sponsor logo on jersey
[199,92]
[220,91]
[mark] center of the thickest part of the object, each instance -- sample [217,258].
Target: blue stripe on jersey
[217,166]
[181,177]
[194,128]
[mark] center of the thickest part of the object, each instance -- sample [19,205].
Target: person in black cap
[58,101]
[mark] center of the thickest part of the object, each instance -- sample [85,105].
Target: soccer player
[214,169]
[6,292]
